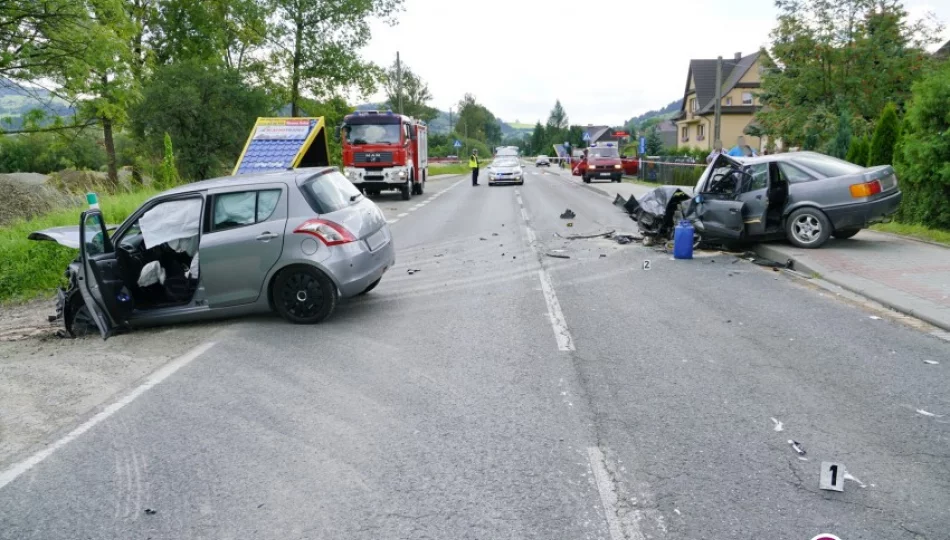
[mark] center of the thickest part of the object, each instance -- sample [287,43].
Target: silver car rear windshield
[329,192]
[827,166]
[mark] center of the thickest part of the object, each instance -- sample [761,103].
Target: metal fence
[671,171]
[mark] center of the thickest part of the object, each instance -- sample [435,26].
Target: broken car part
[568,214]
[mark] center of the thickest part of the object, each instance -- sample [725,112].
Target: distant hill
[666,112]
[16,102]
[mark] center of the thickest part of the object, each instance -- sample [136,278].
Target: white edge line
[524,215]
[404,214]
[11,473]
[608,499]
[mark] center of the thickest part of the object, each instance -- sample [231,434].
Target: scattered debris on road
[797,447]
[494,234]
[482,238]
[412,271]
[568,214]
[557,255]
[931,362]
[875,318]
[925,413]
[605,234]
[778,425]
[151,512]
[570,224]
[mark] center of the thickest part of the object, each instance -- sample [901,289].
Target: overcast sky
[625,57]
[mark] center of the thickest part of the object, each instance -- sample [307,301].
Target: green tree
[333,110]
[822,56]
[317,42]
[207,109]
[858,151]
[475,121]
[557,125]
[922,159]
[885,137]
[415,94]
[537,143]
[654,142]
[842,141]
[167,174]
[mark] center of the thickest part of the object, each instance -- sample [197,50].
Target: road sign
[643,145]
[457,144]
[621,134]
[586,136]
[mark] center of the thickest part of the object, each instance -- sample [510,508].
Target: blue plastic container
[683,240]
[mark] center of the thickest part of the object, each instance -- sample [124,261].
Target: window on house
[700,132]
[747,98]
[684,133]
[693,105]
[729,101]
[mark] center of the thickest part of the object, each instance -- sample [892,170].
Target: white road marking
[565,342]
[608,498]
[416,207]
[11,473]
[391,221]
[402,215]
[563,336]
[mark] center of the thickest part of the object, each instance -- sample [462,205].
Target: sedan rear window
[826,165]
[329,192]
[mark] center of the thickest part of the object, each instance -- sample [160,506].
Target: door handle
[733,211]
[267,236]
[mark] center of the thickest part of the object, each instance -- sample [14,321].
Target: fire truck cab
[385,151]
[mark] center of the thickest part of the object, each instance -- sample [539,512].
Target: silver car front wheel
[808,228]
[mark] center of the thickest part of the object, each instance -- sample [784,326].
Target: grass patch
[28,268]
[921,232]
[450,168]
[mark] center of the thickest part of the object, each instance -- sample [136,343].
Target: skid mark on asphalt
[428,199]
[565,342]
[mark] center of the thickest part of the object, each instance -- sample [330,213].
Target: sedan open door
[97,256]
[717,206]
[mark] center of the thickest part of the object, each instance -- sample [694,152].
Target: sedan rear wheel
[808,228]
[79,322]
[304,295]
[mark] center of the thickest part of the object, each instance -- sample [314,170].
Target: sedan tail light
[866,190]
[330,233]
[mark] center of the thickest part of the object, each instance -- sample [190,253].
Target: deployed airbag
[173,220]
[152,273]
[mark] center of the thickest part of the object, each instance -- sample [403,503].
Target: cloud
[605,61]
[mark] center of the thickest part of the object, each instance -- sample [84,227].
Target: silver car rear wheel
[808,228]
[304,295]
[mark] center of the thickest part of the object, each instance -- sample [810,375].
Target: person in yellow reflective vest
[473,164]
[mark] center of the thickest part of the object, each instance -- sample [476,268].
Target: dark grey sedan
[803,196]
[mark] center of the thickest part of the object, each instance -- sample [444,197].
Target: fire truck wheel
[406,190]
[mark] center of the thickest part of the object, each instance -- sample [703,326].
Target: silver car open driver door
[94,241]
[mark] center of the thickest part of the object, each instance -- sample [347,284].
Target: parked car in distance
[542,161]
[293,242]
[505,170]
[805,197]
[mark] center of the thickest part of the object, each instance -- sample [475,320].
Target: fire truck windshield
[372,133]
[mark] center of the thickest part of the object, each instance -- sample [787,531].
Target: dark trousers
[475,176]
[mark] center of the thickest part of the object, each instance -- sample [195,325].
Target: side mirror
[698,199]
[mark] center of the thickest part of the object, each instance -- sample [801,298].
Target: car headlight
[402,174]
[618,166]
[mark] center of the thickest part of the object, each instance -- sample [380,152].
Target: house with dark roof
[741,78]
[601,134]
[943,53]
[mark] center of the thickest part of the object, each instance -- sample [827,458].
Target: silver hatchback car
[293,242]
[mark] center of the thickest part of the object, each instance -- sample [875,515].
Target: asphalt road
[498,393]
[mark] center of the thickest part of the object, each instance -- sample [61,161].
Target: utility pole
[718,115]
[399,80]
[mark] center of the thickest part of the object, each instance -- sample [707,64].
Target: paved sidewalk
[903,274]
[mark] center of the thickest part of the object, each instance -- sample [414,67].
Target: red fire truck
[384,150]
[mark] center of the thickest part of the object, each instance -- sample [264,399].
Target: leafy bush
[885,137]
[48,152]
[923,154]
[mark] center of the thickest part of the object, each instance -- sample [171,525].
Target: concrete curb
[885,296]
